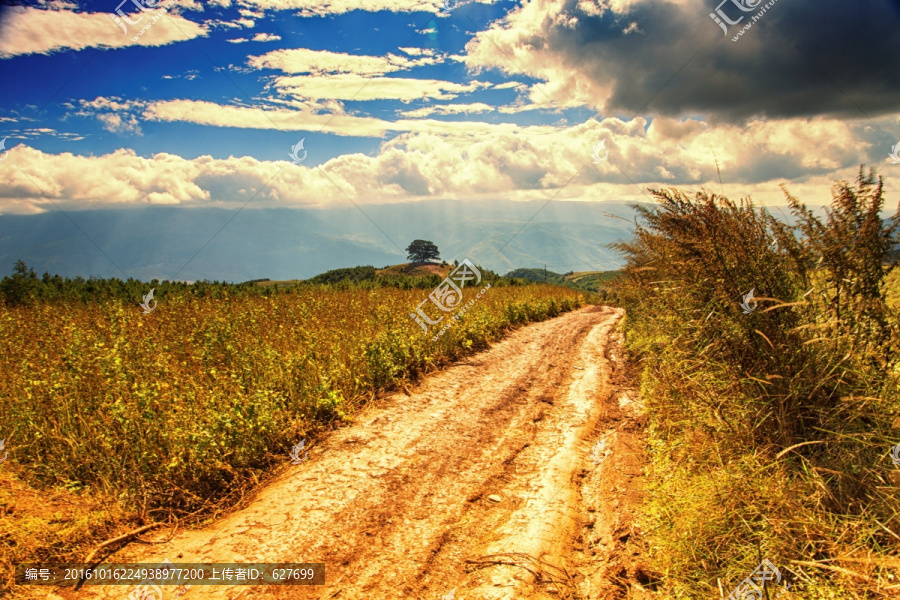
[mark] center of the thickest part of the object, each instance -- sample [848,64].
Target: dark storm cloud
[801,58]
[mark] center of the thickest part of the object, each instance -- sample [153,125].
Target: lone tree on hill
[421,251]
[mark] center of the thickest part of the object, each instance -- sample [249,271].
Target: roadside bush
[770,425]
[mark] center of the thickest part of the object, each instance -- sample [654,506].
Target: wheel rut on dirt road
[398,502]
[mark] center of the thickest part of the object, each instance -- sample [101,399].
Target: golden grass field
[114,418]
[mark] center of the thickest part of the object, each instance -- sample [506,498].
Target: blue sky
[404,100]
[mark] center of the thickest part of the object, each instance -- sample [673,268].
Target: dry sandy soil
[513,474]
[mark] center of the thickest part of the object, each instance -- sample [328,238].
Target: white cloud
[508,47]
[321,62]
[509,85]
[116,115]
[111,103]
[449,109]
[304,116]
[455,160]
[354,87]
[418,51]
[337,7]
[120,123]
[266,37]
[35,133]
[192,5]
[28,30]
[190,75]
[512,109]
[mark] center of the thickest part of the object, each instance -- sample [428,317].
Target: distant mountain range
[207,243]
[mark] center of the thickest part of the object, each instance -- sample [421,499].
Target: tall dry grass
[770,431]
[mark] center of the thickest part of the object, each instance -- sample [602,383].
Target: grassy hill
[589,281]
[536,276]
[407,275]
[592,280]
[404,275]
[268,283]
[419,270]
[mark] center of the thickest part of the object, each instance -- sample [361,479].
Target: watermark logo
[447,296]
[451,595]
[146,303]
[295,149]
[449,5]
[895,153]
[601,147]
[746,6]
[895,455]
[120,18]
[295,453]
[721,18]
[755,585]
[146,592]
[748,301]
[3,449]
[6,153]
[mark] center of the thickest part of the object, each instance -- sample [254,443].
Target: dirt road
[472,486]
